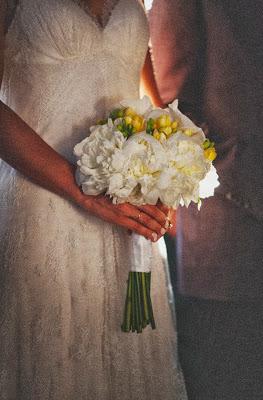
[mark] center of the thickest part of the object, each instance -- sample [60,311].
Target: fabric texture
[220,348]
[63,272]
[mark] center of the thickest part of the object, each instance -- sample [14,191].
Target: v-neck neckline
[106,15]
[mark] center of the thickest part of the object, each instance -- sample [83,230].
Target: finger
[172,227]
[138,228]
[156,213]
[109,213]
[170,212]
[165,209]
[141,217]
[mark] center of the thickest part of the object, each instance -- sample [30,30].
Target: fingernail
[163,231]
[154,236]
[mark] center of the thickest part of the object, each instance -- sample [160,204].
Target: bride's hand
[148,221]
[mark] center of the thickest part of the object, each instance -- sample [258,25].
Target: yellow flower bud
[129,112]
[162,137]
[161,121]
[168,120]
[210,153]
[136,126]
[128,120]
[138,123]
[156,134]
[136,118]
[174,126]
[168,130]
[188,132]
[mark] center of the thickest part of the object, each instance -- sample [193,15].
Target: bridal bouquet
[142,155]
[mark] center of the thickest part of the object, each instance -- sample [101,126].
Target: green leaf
[149,126]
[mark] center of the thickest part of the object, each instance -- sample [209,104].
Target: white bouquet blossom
[142,155]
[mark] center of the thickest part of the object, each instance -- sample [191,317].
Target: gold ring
[139,216]
[170,225]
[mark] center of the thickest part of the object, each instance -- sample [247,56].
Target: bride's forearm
[28,153]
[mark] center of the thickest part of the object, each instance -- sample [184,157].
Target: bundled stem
[138,311]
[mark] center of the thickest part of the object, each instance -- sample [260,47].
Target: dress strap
[11,10]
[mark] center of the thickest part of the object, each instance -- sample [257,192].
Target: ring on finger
[139,216]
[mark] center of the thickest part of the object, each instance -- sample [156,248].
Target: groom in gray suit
[209,54]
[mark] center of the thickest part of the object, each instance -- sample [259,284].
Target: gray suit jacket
[209,54]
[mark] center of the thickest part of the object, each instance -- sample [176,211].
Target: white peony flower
[99,156]
[186,166]
[208,185]
[144,160]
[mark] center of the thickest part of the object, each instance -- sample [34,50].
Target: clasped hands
[150,221]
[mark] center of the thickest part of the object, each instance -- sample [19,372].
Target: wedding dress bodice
[67,70]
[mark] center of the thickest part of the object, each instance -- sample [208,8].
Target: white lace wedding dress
[63,272]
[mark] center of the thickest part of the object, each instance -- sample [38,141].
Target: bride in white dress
[63,255]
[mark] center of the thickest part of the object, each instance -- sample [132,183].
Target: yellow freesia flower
[163,121]
[128,120]
[168,130]
[138,123]
[168,120]
[129,112]
[159,135]
[174,126]
[210,153]
[188,132]
[156,134]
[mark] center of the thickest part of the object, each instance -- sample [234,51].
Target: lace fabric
[63,272]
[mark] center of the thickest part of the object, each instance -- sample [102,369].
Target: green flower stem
[139,303]
[145,303]
[136,305]
[126,326]
[138,311]
[144,320]
[133,304]
[150,301]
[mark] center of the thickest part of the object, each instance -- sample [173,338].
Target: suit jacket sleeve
[176,46]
